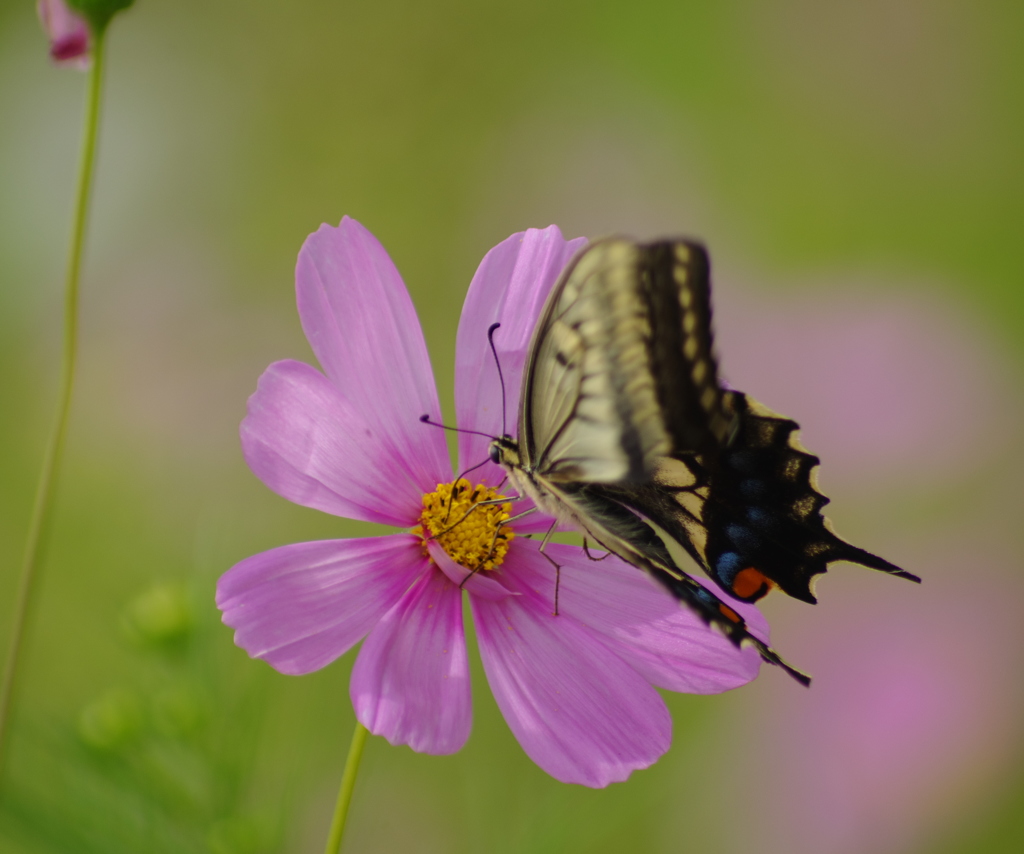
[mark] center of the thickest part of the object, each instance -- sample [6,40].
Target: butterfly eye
[495,453]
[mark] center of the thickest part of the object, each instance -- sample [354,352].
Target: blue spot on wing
[742,537]
[727,565]
[705,596]
[753,489]
[742,461]
[760,518]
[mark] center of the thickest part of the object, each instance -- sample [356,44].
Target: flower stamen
[477,537]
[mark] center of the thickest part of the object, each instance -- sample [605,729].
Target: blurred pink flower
[68,33]
[914,717]
[886,386]
[576,689]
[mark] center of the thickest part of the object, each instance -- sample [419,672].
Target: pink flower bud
[68,33]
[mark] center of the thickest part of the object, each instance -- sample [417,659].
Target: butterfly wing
[763,512]
[621,370]
[676,280]
[621,373]
[750,514]
[589,411]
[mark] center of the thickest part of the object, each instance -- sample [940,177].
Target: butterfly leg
[494,540]
[472,572]
[586,551]
[551,560]
[458,489]
[497,530]
[465,515]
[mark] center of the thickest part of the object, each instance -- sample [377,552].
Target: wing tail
[716,613]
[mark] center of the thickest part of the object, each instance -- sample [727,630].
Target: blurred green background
[856,171]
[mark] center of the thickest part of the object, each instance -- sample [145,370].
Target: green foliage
[151,765]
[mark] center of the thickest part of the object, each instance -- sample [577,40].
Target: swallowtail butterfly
[626,434]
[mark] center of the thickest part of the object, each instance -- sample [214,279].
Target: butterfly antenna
[426,420]
[501,377]
[472,468]
[467,471]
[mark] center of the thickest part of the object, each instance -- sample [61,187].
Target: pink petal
[663,640]
[509,287]
[410,682]
[478,584]
[309,445]
[68,33]
[299,607]
[363,328]
[580,711]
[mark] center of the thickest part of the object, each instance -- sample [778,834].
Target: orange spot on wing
[730,614]
[751,583]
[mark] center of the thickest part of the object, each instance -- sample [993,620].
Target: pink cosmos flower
[577,689]
[68,34]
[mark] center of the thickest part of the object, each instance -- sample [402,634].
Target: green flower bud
[177,711]
[160,616]
[111,721]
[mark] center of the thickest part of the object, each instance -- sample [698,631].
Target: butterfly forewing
[676,276]
[589,410]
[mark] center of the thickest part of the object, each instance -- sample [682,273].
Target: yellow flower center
[473,533]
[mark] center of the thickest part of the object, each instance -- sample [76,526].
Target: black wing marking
[677,278]
[763,513]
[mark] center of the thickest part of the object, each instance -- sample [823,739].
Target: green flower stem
[348,783]
[43,506]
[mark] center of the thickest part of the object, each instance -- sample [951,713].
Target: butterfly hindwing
[750,514]
[763,512]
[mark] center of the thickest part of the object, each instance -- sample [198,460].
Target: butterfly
[626,434]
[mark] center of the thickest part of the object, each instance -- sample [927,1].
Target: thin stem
[348,783]
[43,506]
